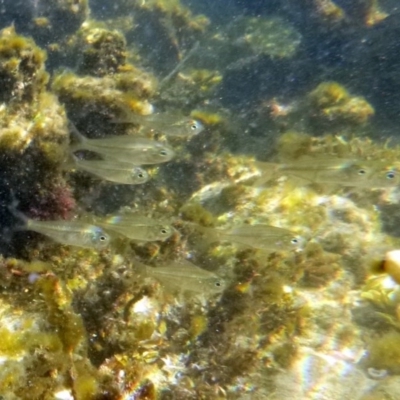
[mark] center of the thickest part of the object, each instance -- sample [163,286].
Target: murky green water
[199,200]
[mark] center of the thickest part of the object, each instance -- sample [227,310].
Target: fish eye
[362,171]
[391,175]
[218,284]
[163,153]
[164,231]
[294,241]
[194,126]
[99,237]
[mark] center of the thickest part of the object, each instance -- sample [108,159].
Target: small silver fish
[260,236]
[130,149]
[368,174]
[113,171]
[137,227]
[73,233]
[184,276]
[165,123]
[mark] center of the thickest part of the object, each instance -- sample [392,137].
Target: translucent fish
[137,227]
[334,171]
[165,123]
[133,150]
[260,236]
[186,277]
[73,233]
[113,171]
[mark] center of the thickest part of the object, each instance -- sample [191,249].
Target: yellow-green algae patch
[335,105]
[104,331]
[384,352]
[21,66]
[46,337]
[266,315]
[104,94]
[103,51]
[180,17]
[271,36]
[29,113]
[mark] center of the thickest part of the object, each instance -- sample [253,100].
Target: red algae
[56,202]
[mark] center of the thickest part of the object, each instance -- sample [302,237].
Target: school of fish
[121,161]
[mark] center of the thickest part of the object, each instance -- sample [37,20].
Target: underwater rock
[167,28]
[63,17]
[94,101]
[387,388]
[383,352]
[50,22]
[82,324]
[317,375]
[103,52]
[22,70]
[332,107]
[33,132]
[376,52]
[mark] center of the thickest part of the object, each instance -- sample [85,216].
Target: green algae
[21,67]
[62,318]
[196,213]
[15,344]
[165,345]
[384,352]
[285,354]
[103,52]
[334,105]
[272,36]
[103,94]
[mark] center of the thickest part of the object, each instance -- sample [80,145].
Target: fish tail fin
[208,235]
[127,116]
[78,138]
[140,268]
[7,234]
[131,119]
[24,220]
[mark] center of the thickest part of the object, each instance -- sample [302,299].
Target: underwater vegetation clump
[101,98]
[34,134]
[272,37]
[335,105]
[103,52]
[190,209]
[22,67]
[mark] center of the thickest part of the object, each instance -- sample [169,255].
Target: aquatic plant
[335,106]
[113,323]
